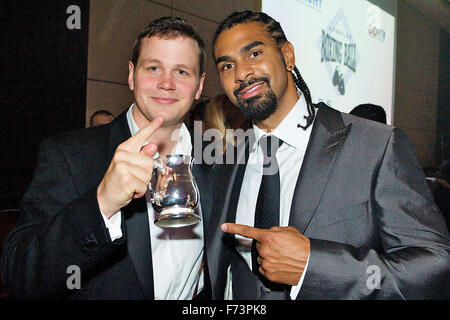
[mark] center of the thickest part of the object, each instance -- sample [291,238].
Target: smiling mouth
[252,90]
[164,100]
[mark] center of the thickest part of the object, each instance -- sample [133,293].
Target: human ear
[200,86]
[287,50]
[131,75]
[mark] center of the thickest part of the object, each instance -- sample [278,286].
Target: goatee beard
[259,107]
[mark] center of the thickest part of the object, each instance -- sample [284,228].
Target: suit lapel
[138,243]
[327,138]
[134,218]
[119,133]
[236,179]
[219,244]
[202,173]
[203,178]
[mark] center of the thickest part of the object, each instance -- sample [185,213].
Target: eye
[182,72]
[226,66]
[152,68]
[254,54]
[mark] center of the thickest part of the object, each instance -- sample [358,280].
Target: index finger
[136,142]
[243,230]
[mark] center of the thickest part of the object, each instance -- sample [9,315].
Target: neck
[166,138]
[285,105]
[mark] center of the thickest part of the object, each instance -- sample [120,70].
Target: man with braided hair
[346,215]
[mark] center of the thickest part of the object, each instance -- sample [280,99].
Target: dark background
[43,84]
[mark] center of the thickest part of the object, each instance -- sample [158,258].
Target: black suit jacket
[60,224]
[362,199]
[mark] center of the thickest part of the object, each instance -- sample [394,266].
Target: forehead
[234,39]
[102,116]
[170,50]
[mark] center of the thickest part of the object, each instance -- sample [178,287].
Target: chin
[171,121]
[260,107]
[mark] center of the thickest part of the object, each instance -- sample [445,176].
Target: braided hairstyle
[301,85]
[273,28]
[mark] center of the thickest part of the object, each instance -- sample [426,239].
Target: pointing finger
[243,230]
[135,143]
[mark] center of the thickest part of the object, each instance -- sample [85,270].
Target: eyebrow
[222,58]
[245,49]
[183,66]
[250,46]
[150,60]
[178,65]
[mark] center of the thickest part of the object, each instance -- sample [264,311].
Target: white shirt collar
[288,126]
[184,144]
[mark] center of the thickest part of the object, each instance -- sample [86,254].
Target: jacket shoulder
[79,138]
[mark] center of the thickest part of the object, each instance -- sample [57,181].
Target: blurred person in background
[370,111]
[222,114]
[101,117]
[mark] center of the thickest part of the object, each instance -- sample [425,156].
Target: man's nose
[243,72]
[166,82]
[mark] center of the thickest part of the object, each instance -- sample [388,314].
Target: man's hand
[129,172]
[283,251]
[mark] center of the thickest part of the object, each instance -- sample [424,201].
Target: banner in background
[344,49]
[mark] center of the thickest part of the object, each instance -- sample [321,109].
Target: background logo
[374,23]
[315,4]
[379,34]
[338,51]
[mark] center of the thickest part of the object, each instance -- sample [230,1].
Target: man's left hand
[283,251]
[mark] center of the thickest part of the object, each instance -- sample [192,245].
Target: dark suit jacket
[61,225]
[362,199]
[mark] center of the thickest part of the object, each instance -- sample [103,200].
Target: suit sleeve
[412,261]
[57,228]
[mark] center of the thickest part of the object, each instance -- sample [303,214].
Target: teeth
[253,89]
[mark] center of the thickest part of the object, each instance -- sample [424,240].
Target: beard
[259,107]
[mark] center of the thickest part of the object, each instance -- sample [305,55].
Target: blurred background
[63,60]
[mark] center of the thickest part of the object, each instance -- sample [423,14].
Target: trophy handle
[194,183]
[158,165]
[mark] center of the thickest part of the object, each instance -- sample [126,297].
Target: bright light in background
[344,49]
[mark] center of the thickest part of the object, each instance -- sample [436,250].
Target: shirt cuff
[296,289]
[113,224]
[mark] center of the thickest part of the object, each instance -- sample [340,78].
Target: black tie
[267,212]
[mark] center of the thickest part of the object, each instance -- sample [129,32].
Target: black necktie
[267,212]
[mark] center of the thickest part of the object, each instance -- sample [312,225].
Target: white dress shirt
[177,253]
[290,158]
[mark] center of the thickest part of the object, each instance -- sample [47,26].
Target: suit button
[90,242]
[263,289]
